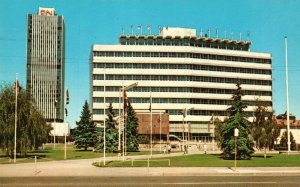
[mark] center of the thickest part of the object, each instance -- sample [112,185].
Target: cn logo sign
[46,12]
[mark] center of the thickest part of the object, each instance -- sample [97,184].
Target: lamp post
[123,137]
[185,129]
[236,134]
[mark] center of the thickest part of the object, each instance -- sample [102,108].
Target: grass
[273,160]
[48,154]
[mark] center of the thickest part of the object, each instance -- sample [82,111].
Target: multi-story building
[46,62]
[182,71]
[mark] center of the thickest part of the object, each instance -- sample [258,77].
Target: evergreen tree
[111,133]
[131,130]
[85,132]
[284,140]
[237,119]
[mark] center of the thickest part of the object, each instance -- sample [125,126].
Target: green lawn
[273,160]
[48,154]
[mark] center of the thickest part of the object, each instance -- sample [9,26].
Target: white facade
[179,76]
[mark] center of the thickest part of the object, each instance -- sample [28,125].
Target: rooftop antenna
[141,29]
[248,36]
[208,32]
[123,30]
[159,28]
[131,27]
[232,35]
[149,29]
[240,36]
[201,32]
[217,33]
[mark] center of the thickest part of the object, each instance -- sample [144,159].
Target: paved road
[240,181]
[84,167]
[82,173]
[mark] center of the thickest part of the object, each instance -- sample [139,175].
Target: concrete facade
[196,73]
[45,78]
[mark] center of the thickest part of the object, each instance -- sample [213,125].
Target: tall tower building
[46,62]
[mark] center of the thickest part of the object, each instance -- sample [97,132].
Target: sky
[100,22]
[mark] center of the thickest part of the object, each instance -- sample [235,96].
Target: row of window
[182,78]
[178,100]
[181,89]
[181,55]
[180,66]
[193,112]
[183,42]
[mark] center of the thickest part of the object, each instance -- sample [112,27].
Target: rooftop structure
[184,37]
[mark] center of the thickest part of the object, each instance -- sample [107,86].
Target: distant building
[46,62]
[160,125]
[182,71]
[281,120]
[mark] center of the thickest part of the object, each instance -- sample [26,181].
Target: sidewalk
[84,167]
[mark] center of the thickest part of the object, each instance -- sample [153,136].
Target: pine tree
[85,133]
[131,130]
[111,133]
[284,140]
[237,119]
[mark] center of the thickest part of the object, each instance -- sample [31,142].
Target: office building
[182,71]
[46,62]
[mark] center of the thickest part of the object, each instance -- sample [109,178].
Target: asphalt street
[83,173]
[274,181]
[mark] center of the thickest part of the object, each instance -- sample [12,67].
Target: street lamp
[236,134]
[185,128]
[122,90]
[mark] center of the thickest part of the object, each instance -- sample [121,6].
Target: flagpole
[160,131]
[131,29]
[123,133]
[119,145]
[287,95]
[16,110]
[66,115]
[104,121]
[151,124]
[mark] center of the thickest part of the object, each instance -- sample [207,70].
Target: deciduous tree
[32,129]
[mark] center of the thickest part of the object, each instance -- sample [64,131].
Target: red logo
[45,12]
